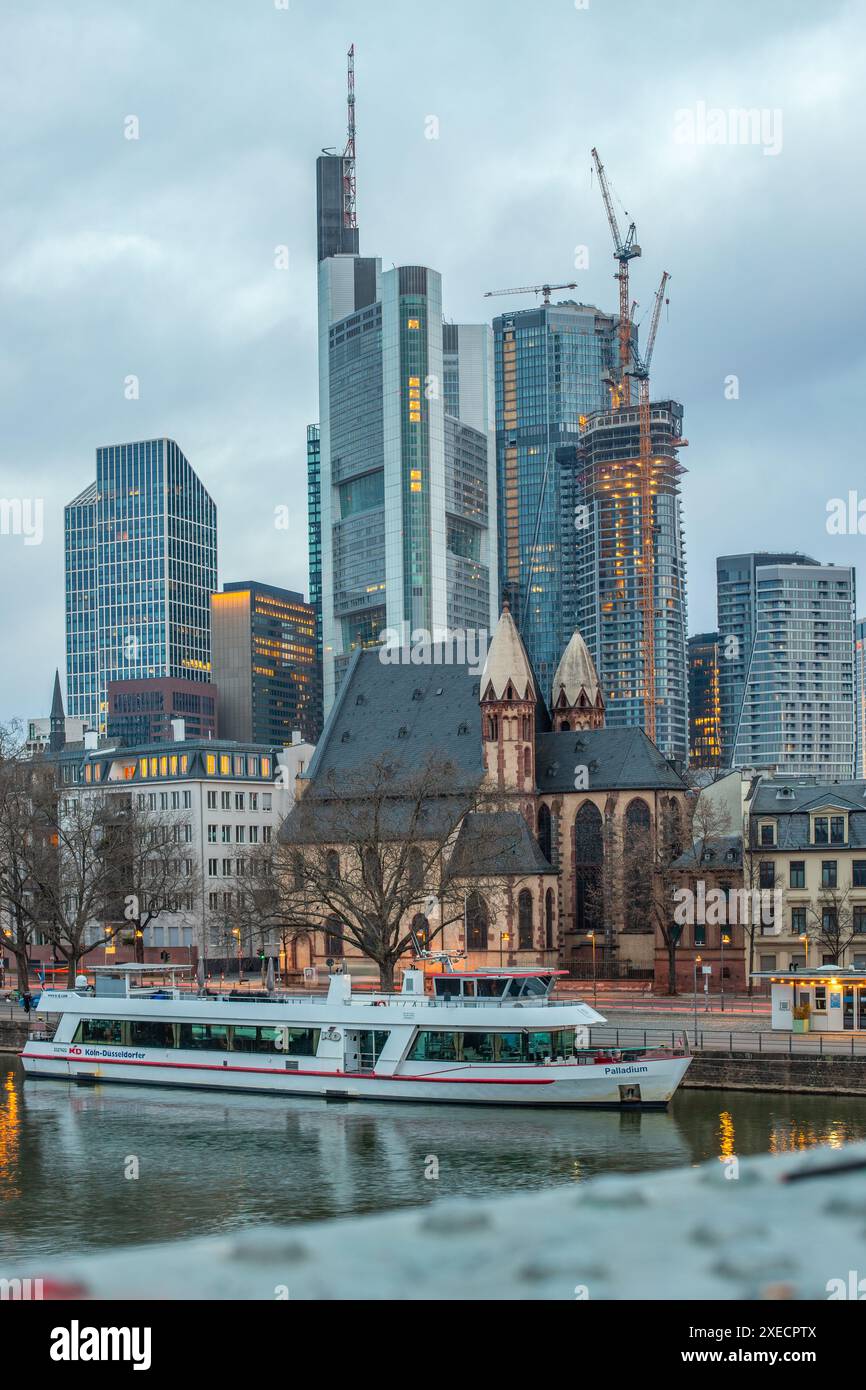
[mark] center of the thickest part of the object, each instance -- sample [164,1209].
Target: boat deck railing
[406,1001]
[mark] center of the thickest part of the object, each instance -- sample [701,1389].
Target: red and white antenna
[350,218]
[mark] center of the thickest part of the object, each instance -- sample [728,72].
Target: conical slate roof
[507,662]
[575,673]
[57,711]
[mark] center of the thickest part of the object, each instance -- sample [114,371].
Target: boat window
[300,1042]
[204,1037]
[477,1047]
[468,989]
[490,989]
[505,1047]
[534,986]
[247,1039]
[144,1032]
[433,1046]
[509,1047]
[513,988]
[99,1030]
[448,989]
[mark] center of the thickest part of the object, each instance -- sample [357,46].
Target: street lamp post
[804,937]
[696,964]
[590,936]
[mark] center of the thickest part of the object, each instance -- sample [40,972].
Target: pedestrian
[26,1001]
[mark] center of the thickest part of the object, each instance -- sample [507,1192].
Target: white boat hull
[644,1083]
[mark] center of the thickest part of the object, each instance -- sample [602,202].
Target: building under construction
[621,523]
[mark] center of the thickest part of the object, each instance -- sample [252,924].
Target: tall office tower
[408,492]
[264,663]
[860,687]
[736,600]
[603,527]
[553,365]
[141,560]
[705,727]
[314,549]
[796,714]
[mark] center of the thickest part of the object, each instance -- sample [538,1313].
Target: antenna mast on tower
[350,218]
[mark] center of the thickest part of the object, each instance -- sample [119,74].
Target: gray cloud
[156,256]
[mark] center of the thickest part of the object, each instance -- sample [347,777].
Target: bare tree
[16,926]
[154,874]
[831,921]
[650,880]
[368,855]
[96,866]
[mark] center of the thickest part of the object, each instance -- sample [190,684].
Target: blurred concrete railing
[780,1227]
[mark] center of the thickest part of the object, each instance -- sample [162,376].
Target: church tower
[57,726]
[508,700]
[576,700]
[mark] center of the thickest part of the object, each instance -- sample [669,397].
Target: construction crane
[646,577]
[532,289]
[350,217]
[624,251]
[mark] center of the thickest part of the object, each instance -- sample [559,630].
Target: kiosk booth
[835,996]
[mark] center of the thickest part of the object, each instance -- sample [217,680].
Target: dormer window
[767,832]
[829,830]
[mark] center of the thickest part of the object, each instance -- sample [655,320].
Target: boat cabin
[132,981]
[483,986]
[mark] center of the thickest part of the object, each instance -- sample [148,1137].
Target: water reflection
[209,1162]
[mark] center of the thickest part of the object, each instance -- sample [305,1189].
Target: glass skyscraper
[553,365]
[602,528]
[795,664]
[314,548]
[736,600]
[860,682]
[141,561]
[407,490]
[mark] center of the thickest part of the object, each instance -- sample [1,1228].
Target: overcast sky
[155,257]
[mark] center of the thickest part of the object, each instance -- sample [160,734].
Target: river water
[89,1168]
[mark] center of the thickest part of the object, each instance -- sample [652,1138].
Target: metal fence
[733,1040]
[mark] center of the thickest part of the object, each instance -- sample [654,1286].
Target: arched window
[372,870]
[333,940]
[548,920]
[672,828]
[588,861]
[545,835]
[637,864]
[524,921]
[415,869]
[332,862]
[492,727]
[527,762]
[421,931]
[477,922]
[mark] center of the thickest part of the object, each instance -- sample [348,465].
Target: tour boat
[485,1037]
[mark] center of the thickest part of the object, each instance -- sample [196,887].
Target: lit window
[210,764]
[225,764]
[142,766]
[414,323]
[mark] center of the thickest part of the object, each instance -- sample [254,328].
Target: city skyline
[105,265]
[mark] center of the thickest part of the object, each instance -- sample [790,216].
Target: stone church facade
[570,796]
